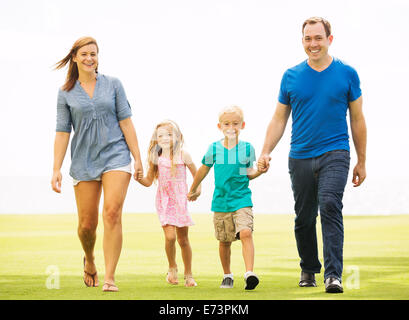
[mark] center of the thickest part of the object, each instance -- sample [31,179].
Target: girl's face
[165,137]
[87,58]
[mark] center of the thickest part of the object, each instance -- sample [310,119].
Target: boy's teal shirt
[231,190]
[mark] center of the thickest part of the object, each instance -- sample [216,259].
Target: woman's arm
[128,130]
[60,148]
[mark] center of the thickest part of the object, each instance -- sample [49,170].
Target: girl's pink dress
[171,197]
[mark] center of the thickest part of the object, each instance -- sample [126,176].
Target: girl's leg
[115,185]
[183,240]
[87,196]
[170,249]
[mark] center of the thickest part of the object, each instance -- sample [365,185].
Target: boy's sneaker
[227,283]
[251,280]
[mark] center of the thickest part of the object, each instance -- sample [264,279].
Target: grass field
[376,260]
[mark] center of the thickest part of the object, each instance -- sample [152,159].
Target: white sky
[185,60]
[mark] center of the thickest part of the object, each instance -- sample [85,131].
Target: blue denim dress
[98,144]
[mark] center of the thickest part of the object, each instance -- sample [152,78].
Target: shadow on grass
[379,278]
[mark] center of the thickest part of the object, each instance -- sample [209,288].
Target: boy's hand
[194,194]
[263,163]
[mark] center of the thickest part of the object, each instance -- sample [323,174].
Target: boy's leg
[247,248]
[225,253]
[243,221]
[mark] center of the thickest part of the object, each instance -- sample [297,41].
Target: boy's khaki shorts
[227,225]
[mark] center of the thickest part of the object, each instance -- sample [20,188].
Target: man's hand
[263,163]
[359,175]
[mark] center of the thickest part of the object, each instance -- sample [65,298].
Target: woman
[96,107]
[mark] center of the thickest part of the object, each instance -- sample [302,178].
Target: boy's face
[231,124]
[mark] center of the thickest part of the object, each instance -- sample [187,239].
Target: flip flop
[92,275]
[109,287]
[189,281]
[172,274]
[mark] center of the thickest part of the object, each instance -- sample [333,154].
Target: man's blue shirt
[319,102]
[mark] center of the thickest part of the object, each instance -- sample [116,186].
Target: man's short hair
[314,20]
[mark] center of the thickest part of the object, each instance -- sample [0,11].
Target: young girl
[167,164]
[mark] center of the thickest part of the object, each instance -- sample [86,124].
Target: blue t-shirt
[98,144]
[319,102]
[231,190]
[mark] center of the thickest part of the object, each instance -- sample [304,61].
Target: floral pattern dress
[171,197]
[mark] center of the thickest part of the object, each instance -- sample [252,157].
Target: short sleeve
[354,86]
[64,122]
[283,96]
[251,156]
[123,109]
[209,157]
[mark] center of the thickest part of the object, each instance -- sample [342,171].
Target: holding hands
[138,174]
[194,193]
[263,163]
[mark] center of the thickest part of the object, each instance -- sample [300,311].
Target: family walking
[318,93]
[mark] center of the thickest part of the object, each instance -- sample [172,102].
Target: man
[319,92]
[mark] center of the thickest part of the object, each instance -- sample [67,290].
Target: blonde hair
[155,151]
[72,74]
[232,109]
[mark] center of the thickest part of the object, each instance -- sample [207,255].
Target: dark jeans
[319,183]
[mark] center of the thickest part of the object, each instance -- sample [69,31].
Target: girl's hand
[194,194]
[56,181]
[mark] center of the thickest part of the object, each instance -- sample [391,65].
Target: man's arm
[358,130]
[275,131]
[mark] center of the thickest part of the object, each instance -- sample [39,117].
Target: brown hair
[72,74]
[155,151]
[314,20]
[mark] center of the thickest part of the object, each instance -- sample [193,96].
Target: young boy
[232,205]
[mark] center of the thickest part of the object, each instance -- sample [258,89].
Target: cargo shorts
[227,225]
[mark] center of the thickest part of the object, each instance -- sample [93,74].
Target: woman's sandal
[109,287]
[172,276]
[91,275]
[189,281]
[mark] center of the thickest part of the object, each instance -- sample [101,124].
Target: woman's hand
[138,174]
[56,181]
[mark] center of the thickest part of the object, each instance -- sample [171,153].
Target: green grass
[378,247]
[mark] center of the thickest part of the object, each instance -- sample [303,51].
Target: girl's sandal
[109,287]
[189,281]
[172,276]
